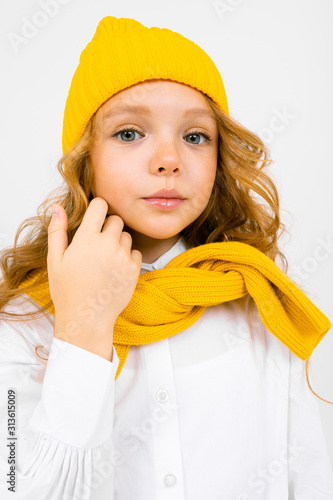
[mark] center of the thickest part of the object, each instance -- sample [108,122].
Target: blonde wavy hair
[241,164]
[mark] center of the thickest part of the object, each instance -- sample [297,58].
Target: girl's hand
[92,280]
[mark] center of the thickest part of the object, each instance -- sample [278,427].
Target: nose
[166,160]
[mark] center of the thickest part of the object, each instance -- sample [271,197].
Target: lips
[164,203]
[166,194]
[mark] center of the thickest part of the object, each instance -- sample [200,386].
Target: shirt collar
[179,247]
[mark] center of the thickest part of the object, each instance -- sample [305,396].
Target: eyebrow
[144,110]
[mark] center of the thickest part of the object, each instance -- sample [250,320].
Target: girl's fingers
[137,257]
[94,217]
[126,240]
[57,236]
[115,222]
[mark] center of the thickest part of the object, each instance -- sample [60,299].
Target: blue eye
[127,130]
[133,129]
[197,133]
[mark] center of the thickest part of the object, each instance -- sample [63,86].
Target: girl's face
[166,146]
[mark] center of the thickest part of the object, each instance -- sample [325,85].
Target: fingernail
[55,210]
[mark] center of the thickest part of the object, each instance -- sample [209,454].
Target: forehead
[148,88]
[144,97]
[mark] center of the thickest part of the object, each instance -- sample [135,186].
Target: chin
[156,234]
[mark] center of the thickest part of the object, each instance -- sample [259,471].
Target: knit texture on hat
[122,53]
[169,300]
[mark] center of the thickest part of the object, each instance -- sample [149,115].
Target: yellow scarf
[169,300]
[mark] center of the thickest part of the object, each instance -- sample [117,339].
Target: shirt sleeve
[309,467]
[62,444]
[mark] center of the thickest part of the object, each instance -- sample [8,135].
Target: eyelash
[133,129]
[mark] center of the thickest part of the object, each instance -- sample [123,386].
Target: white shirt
[197,416]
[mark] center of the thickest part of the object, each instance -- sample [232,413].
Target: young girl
[151,348]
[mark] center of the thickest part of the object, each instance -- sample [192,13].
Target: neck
[151,248]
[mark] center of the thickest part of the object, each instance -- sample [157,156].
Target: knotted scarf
[169,300]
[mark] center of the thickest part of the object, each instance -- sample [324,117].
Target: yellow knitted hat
[122,53]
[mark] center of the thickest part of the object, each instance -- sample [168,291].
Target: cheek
[113,181]
[206,181]
[103,168]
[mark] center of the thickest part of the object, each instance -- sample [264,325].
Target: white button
[162,395]
[170,480]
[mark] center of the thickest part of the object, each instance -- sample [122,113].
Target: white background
[275,58]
